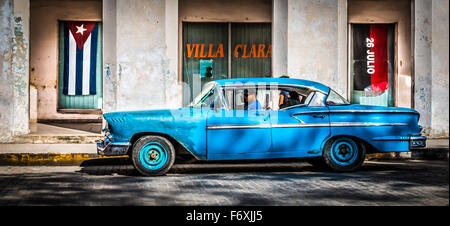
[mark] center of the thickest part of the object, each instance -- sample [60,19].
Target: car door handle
[318,116]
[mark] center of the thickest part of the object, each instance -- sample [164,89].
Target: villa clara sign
[239,51]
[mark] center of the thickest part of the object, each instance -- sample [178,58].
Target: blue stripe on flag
[93,68]
[79,72]
[66,59]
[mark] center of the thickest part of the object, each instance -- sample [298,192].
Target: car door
[300,130]
[237,133]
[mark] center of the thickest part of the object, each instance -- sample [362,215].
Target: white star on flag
[81,29]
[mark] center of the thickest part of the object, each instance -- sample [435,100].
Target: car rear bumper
[417,142]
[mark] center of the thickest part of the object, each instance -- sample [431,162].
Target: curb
[76,159]
[48,159]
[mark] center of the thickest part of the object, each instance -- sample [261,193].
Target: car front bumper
[108,148]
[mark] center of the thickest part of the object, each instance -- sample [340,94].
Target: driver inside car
[252,103]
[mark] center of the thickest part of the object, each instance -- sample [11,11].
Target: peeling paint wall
[6,78]
[109,55]
[439,65]
[313,37]
[44,49]
[422,62]
[140,62]
[431,54]
[279,37]
[20,65]
[141,54]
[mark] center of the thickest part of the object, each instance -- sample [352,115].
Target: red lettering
[244,53]
[261,48]
[269,51]
[196,50]
[236,53]
[253,51]
[202,51]
[219,51]
[189,50]
[210,51]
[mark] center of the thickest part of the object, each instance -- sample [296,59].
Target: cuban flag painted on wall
[80,58]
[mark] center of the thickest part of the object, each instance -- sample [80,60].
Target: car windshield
[200,100]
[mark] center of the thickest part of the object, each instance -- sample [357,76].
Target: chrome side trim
[366,124]
[370,111]
[310,112]
[256,126]
[293,116]
[294,125]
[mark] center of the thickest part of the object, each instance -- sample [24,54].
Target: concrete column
[142,62]
[20,67]
[173,90]
[6,78]
[109,55]
[313,39]
[439,68]
[342,59]
[431,53]
[279,37]
[422,61]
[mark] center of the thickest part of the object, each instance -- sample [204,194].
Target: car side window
[317,100]
[240,98]
[293,96]
[334,99]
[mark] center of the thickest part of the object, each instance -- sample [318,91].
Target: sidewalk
[55,145]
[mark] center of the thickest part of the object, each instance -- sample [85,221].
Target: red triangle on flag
[81,31]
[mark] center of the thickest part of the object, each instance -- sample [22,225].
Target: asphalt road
[115,182]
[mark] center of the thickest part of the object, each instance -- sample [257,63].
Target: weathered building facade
[152,52]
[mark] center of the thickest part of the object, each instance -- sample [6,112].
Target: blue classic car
[261,118]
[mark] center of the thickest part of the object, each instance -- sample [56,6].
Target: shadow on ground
[232,183]
[124,166]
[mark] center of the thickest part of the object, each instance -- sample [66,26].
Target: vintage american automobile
[222,123]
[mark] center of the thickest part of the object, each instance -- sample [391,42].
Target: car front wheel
[153,155]
[344,154]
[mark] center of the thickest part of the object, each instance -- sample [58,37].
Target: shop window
[372,64]
[214,51]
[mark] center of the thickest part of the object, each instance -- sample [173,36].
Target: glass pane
[251,50]
[205,56]
[372,67]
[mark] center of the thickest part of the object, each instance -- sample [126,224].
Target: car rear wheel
[343,154]
[153,155]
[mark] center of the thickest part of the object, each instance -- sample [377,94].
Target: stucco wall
[439,59]
[422,62]
[226,11]
[431,52]
[44,49]
[399,12]
[20,65]
[313,37]
[279,37]
[6,84]
[140,54]
[14,114]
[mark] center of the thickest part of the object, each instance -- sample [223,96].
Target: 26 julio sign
[370,55]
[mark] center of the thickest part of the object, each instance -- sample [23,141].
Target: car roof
[279,81]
